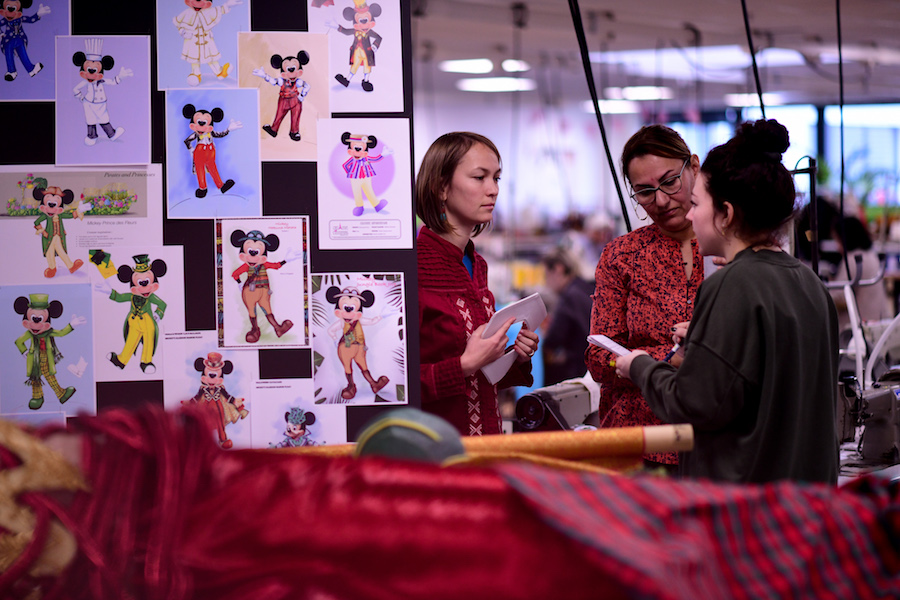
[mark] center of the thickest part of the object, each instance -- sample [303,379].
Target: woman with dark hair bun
[759,375]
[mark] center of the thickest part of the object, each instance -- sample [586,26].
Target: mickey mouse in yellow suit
[140,326]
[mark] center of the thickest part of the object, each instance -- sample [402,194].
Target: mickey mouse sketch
[195,25]
[254,248]
[43,355]
[91,91]
[49,225]
[365,41]
[291,93]
[359,169]
[140,326]
[347,331]
[204,151]
[13,41]
[296,433]
[213,396]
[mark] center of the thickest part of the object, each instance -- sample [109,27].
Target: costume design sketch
[91,91]
[195,24]
[13,40]
[38,343]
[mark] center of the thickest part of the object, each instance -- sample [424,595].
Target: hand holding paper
[608,343]
[530,311]
[481,351]
[526,343]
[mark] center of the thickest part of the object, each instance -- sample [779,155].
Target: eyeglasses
[670,186]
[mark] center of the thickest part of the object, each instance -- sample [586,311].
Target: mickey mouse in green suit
[42,353]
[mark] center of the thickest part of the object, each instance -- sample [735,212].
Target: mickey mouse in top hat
[37,311]
[140,326]
[213,396]
[365,41]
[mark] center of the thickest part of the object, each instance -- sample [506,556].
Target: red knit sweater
[451,306]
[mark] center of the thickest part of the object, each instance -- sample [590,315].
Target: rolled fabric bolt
[572,445]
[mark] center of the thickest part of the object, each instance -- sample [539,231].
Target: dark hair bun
[763,140]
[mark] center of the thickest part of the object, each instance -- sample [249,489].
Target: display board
[211,203]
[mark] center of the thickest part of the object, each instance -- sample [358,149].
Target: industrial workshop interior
[653,248]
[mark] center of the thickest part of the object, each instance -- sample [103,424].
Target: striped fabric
[671,539]
[359,168]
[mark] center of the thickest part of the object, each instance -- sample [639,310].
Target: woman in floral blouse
[646,279]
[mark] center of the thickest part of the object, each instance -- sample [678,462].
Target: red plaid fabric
[670,539]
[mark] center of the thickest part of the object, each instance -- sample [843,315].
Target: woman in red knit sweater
[456,191]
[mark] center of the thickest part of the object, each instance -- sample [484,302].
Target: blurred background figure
[564,338]
[872,301]
[850,234]
[599,228]
[585,237]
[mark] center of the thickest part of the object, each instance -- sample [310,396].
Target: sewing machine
[565,405]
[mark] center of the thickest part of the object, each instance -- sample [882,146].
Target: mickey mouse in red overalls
[204,152]
[292,90]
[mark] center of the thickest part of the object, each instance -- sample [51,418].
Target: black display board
[28,138]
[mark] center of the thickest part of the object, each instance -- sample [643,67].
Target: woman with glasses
[758,379]
[647,279]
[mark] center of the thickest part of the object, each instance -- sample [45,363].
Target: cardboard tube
[668,438]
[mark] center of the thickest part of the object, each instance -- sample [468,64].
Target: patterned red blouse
[642,290]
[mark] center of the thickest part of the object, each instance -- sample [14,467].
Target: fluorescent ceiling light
[515,66]
[613,107]
[750,100]
[496,84]
[864,115]
[471,65]
[722,64]
[638,92]
[867,54]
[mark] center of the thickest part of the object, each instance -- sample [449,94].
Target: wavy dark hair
[654,140]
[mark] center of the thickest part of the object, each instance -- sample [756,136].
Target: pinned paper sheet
[531,311]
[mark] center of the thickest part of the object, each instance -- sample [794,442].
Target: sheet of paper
[605,342]
[529,310]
